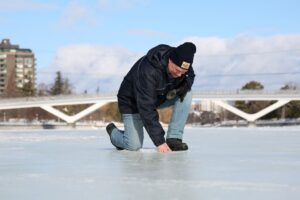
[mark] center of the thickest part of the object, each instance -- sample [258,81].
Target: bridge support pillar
[251,117]
[74,118]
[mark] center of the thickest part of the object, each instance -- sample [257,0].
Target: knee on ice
[134,147]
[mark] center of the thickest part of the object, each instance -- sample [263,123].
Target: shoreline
[49,126]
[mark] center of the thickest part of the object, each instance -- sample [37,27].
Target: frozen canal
[222,163]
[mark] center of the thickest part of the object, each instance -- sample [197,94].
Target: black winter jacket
[145,87]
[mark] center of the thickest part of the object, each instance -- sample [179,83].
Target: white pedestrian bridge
[220,98]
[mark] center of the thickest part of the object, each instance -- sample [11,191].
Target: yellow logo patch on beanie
[185,65]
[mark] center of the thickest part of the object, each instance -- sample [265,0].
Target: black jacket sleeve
[145,87]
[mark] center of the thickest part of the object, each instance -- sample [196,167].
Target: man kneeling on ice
[161,78]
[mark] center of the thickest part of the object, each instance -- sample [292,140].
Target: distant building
[210,106]
[17,69]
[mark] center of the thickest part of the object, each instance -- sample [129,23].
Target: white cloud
[220,63]
[89,66]
[233,61]
[25,5]
[77,14]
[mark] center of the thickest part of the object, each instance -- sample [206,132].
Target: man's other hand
[164,148]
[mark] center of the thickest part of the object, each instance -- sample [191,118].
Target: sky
[94,43]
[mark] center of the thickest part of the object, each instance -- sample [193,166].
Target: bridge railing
[232,92]
[114,94]
[48,103]
[54,97]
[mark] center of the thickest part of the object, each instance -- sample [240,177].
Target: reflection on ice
[222,163]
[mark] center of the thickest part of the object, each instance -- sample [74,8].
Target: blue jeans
[133,135]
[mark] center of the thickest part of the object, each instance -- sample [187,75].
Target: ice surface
[222,163]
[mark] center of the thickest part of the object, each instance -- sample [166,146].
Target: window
[19,60]
[19,85]
[28,61]
[20,75]
[20,66]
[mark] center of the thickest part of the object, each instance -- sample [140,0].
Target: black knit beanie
[183,55]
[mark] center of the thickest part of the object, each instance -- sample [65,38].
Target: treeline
[290,110]
[60,86]
[110,112]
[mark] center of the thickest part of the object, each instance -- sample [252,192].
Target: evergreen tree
[57,87]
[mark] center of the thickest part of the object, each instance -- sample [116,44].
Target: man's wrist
[160,142]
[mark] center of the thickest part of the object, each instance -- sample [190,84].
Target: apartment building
[17,68]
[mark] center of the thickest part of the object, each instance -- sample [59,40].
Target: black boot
[109,128]
[177,144]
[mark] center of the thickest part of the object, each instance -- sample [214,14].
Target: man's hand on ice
[163,148]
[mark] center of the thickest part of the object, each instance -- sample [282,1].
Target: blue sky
[128,28]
